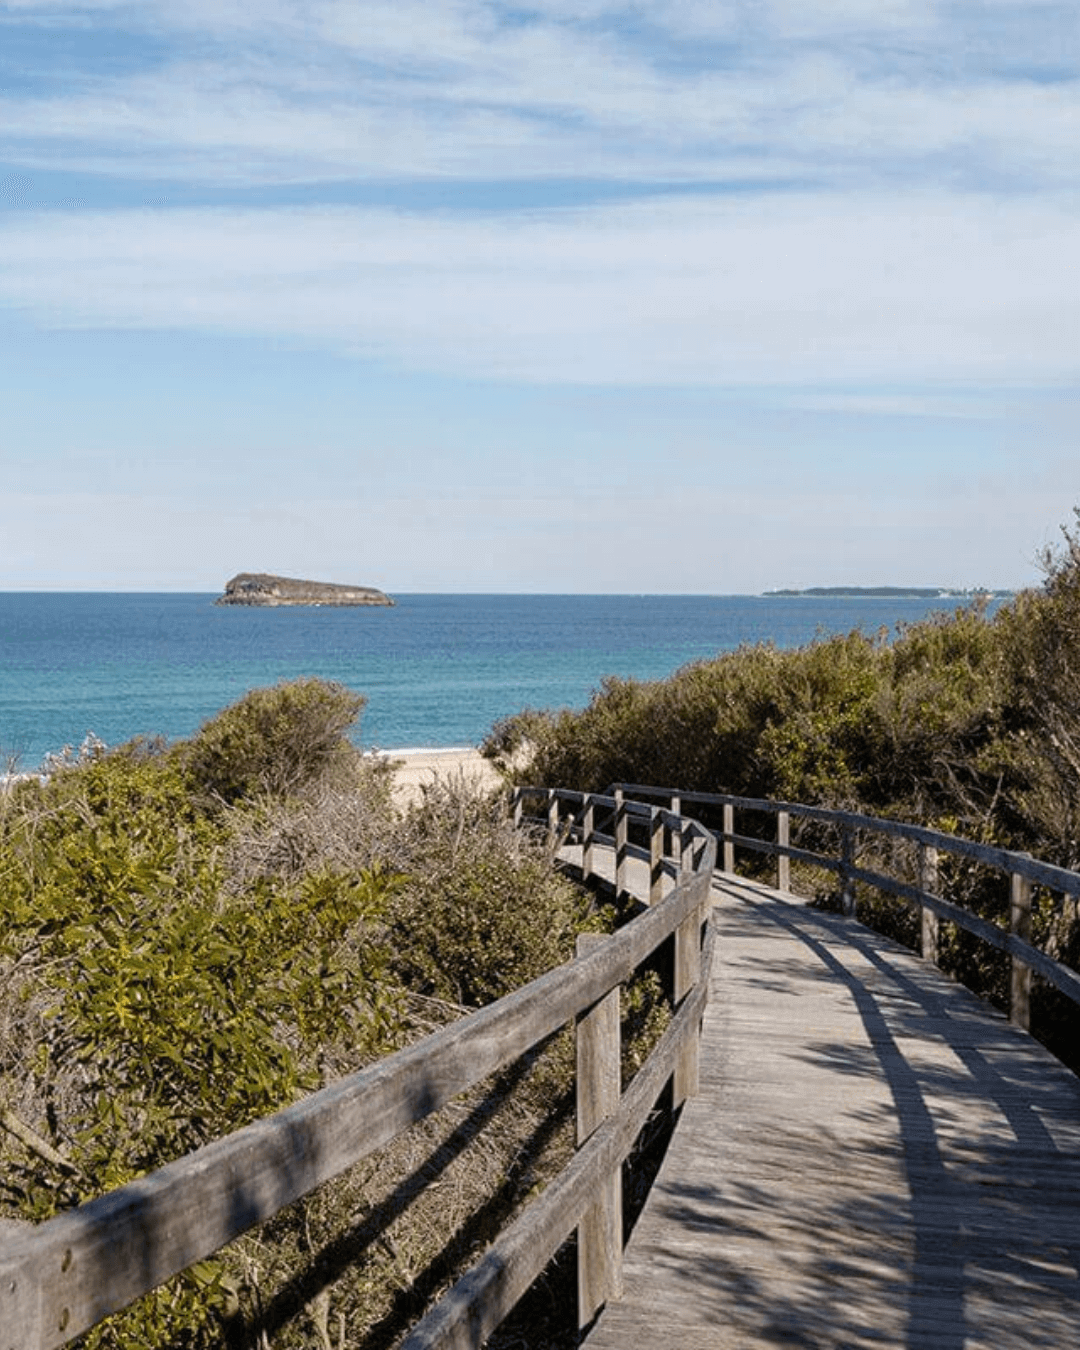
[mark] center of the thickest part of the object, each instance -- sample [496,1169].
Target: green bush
[916,725]
[184,1011]
[480,910]
[274,742]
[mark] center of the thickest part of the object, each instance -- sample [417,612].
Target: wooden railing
[63,1276]
[1020,872]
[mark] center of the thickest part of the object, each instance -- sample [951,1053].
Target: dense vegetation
[193,935]
[964,722]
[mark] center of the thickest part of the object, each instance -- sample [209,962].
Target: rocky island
[261,588]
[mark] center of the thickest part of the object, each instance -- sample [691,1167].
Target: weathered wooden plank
[482,1298]
[1020,927]
[928,883]
[588,838]
[688,972]
[621,840]
[874,1158]
[599,1087]
[783,858]
[677,826]
[657,830]
[847,869]
[728,834]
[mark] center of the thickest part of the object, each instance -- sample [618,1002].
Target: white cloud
[782,290]
[283,90]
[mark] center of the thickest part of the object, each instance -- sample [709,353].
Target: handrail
[1023,871]
[65,1275]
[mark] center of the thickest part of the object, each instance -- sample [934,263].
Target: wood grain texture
[875,1159]
[928,882]
[783,859]
[729,831]
[599,1087]
[1020,973]
[657,874]
[588,835]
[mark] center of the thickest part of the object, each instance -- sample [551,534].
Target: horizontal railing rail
[1022,871]
[63,1276]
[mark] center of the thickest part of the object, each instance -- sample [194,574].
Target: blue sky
[553,296]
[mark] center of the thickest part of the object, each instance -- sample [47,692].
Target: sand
[417,767]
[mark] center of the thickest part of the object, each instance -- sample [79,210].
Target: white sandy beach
[415,768]
[418,767]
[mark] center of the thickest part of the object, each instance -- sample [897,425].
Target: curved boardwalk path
[876,1158]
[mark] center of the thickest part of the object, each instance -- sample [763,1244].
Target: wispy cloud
[828,93]
[789,289]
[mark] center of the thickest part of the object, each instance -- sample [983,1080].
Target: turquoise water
[437,670]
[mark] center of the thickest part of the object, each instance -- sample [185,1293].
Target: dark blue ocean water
[437,670]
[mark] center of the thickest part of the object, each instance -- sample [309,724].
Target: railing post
[686,848]
[588,829]
[656,856]
[847,861]
[519,807]
[620,843]
[928,883]
[1020,926]
[553,813]
[676,835]
[783,862]
[685,1079]
[729,830]
[598,1092]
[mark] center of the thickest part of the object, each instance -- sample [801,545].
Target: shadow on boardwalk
[875,1159]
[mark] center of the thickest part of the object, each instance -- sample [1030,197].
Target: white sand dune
[415,768]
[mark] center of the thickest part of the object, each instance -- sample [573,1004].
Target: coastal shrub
[943,720]
[146,1010]
[808,729]
[918,724]
[480,910]
[189,939]
[343,822]
[274,742]
[754,721]
[177,1005]
[1043,655]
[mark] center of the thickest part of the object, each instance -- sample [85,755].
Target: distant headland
[261,588]
[897,592]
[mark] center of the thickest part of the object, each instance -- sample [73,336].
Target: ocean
[437,670]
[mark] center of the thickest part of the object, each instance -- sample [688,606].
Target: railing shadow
[970,1226]
[337,1257]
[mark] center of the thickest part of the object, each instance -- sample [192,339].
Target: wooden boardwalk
[875,1158]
